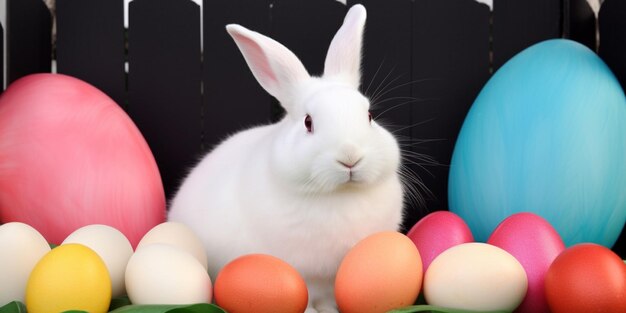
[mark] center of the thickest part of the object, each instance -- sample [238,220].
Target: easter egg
[21,247]
[586,278]
[476,277]
[535,244]
[436,232]
[179,235]
[260,283]
[69,277]
[111,245]
[165,274]
[72,157]
[380,273]
[547,134]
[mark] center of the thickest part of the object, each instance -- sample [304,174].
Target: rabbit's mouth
[350,169]
[353,177]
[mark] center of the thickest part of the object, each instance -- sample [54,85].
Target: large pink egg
[535,244]
[437,232]
[70,157]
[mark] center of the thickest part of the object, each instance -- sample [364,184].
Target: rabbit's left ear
[343,61]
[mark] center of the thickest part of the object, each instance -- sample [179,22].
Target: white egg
[111,245]
[164,274]
[176,234]
[475,276]
[21,247]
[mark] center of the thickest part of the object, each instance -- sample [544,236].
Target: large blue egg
[547,134]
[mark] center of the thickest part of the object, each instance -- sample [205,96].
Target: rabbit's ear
[274,66]
[343,60]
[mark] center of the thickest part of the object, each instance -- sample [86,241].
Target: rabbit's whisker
[408,161]
[383,84]
[423,159]
[412,125]
[384,92]
[374,77]
[412,100]
[409,142]
[414,187]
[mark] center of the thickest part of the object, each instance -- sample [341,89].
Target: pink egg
[436,232]
[70,157]
[535,244]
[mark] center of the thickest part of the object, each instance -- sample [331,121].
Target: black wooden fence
[432,56]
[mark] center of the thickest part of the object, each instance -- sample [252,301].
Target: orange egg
[586,278]
[380,273]
[260,283]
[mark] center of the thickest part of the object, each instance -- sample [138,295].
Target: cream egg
[111,245]
[179,235]
[475,276]
[164,274]
[21,247]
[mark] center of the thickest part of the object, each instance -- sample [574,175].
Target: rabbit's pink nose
[349,163]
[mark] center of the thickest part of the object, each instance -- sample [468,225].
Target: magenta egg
[535,244]
[437,232]
[70,157]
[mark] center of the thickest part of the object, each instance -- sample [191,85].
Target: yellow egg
[69,277]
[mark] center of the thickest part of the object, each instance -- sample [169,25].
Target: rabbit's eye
[369,114]
[308,123]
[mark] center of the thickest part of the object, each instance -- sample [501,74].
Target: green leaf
[13,307]
[199,308]
[119,302]
[166,308]
[436,309]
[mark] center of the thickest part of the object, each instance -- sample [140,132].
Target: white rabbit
[309,187]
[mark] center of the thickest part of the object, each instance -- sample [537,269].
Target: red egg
[535,244]
[70,157]
[437,232]
[586,278]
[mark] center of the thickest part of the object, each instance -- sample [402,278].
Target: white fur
[280,190]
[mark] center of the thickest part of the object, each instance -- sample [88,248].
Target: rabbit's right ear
[274,66]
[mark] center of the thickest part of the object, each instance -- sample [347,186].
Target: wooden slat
[29,35]
[518,24]
[387,75]
[164,82]
[232,98]
[613,51]
[451,62]
[306,27]
[579,22]
[613,37]
[90,44]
